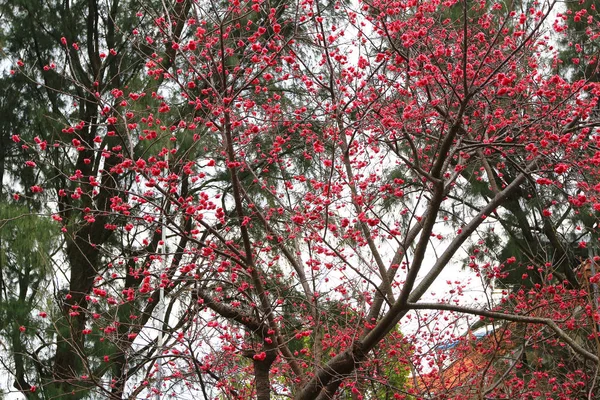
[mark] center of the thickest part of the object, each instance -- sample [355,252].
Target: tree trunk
[261,375]
[83,259]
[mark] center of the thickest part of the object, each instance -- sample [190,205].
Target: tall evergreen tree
[69,56]
[580,47]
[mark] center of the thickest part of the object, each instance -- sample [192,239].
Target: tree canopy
[262,199]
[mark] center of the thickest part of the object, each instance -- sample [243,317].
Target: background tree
[579,46]
[74,54]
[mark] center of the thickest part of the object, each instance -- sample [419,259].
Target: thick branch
[513,318]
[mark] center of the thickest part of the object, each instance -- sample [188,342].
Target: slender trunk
[261,375]
[70,342]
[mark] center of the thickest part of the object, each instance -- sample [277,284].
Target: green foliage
[578,44]
[27,242]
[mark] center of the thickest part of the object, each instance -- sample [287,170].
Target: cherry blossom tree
[259,200]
